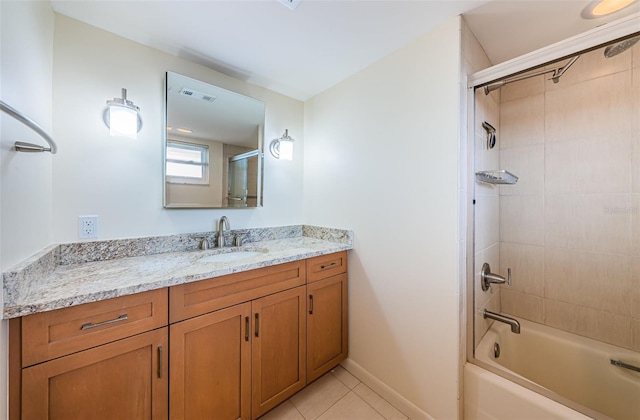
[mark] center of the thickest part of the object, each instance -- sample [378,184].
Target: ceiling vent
[197,95]
[291,4]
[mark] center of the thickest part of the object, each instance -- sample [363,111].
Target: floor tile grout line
[372,407]
[328,408]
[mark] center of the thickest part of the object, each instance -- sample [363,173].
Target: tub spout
[513,323]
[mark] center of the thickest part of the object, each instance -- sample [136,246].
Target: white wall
[381,157]
[26,52]
[120,179]
[26,186]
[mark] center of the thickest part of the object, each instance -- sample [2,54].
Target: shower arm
[557,73]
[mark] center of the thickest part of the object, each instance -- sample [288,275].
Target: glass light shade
[599,8]
[123,121]
[606,7]
[286,149]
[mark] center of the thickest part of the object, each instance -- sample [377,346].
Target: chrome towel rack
[29,147]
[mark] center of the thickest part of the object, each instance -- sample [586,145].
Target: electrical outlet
[87,227]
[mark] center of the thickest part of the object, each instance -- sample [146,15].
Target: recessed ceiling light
[600,8]
[185,130]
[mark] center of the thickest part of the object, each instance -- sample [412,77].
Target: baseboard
[386,392]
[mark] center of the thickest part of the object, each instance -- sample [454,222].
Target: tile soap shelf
[496,177]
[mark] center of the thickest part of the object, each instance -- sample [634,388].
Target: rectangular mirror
[213,153]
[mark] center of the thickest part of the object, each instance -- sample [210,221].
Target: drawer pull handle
[160,362]
[322,267]
[90,325]
[257,325]
[246,328]
[310,304]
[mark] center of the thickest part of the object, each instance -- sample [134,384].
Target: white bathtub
[574,367]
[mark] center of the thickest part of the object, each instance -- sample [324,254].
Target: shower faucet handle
[487,277]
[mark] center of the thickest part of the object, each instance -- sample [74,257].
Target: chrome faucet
[487,277]
[515,325]
[222,224]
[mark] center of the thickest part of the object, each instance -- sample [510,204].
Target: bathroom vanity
[226,346]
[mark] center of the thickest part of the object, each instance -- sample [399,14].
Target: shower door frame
[567,48]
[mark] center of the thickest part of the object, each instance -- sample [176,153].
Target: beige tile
[527,163]
[485,160]
[316,398]
[635,55]
[351,407]
[521,305]
[523,88]
[635,224]
[345,377]
[635,334]
[385,409]
[481,325]
[589,66]
[590,222]
[594,280]
[599,325]
[487,109]
[635,160]
[635,97]
[285,411]
[487,221]
[591,109]
[522,219]
[527,267]
[490,256]
[635,284]
[521,122]
[600,165]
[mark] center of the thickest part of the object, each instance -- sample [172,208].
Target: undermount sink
[233,255]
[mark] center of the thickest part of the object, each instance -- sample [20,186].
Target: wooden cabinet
[327,324]
[57,333]
[126,379]
[100,360]
[230,347]
[240,361]
[278,348]
[211,365]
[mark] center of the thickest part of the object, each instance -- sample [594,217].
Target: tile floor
[337,395]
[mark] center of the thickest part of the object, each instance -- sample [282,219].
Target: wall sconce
[122,117]
[282,148]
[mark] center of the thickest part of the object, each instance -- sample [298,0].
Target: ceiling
[303,52]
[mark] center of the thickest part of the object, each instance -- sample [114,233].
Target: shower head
[617,48]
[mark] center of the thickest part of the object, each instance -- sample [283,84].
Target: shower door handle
[487,277]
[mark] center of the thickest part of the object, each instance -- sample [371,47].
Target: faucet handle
[204,242]
[487,277]
[238,240]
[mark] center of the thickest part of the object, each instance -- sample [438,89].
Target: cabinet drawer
[325,266]
[49,335]
[200,297]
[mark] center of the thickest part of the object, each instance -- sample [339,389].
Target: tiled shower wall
[486,210]
[570,228]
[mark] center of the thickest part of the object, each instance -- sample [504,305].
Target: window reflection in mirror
[213,148]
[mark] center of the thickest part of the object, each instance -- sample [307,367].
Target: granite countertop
[62,276]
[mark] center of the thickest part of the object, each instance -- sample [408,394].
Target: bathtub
[576,368]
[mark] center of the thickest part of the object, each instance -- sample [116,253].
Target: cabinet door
[211,366]
[327,336]
[126,379]
[278,348]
